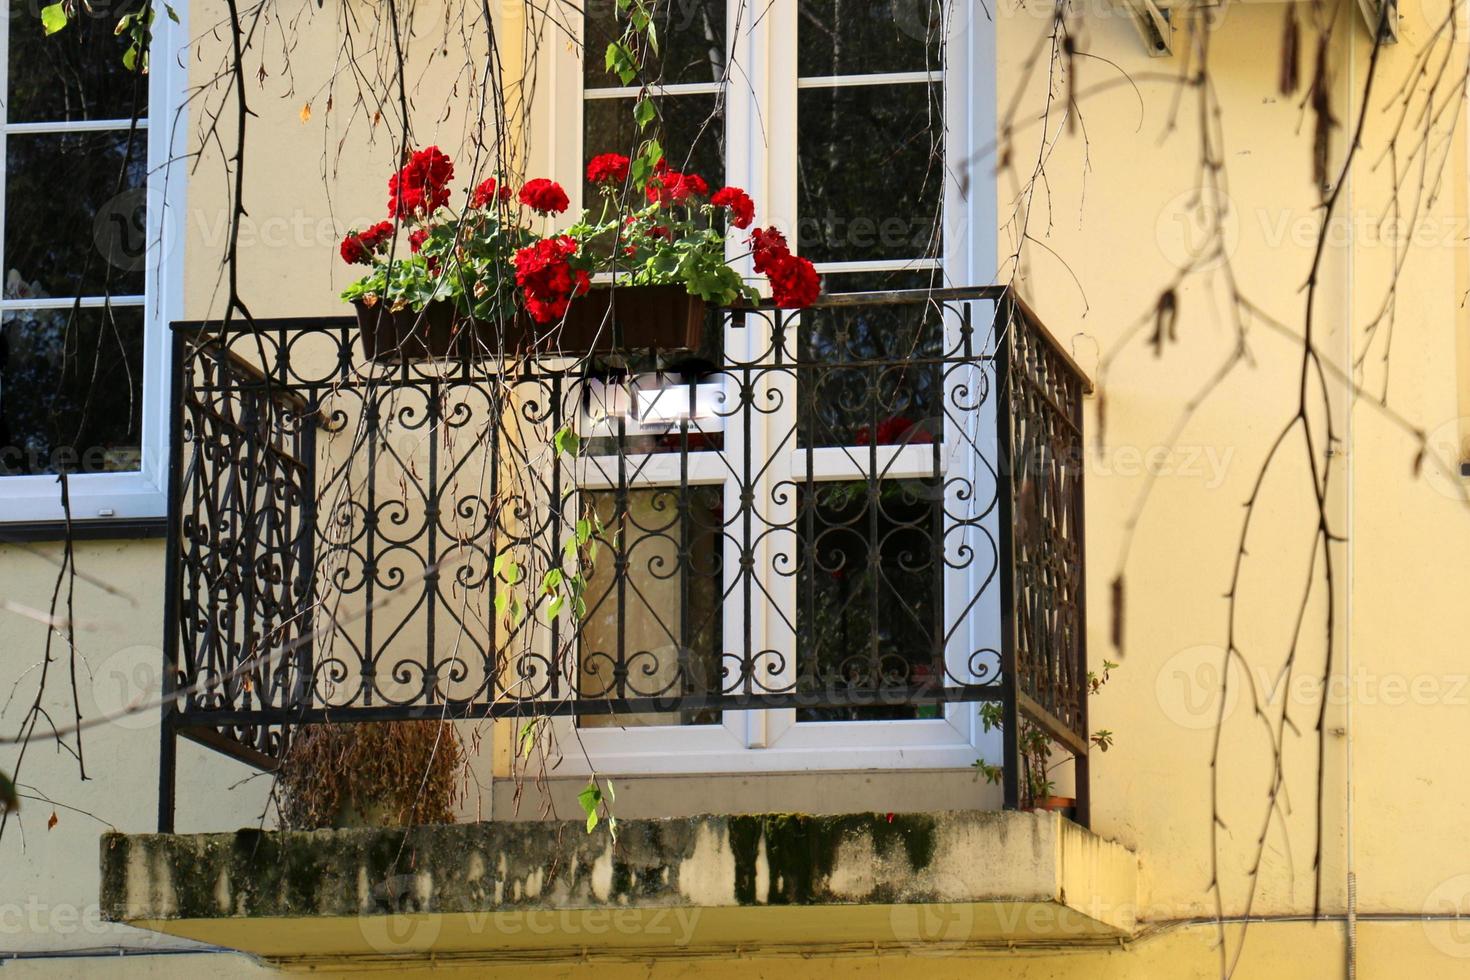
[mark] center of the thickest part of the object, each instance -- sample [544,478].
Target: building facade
[1186,259]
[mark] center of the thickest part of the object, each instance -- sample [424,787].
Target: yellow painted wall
[1115,220]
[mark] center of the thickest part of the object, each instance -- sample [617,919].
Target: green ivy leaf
[172,14]
[566,441]
[643,112]
[588,800]
[53,18]
[554,607]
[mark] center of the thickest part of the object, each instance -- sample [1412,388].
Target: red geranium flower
[361,247]
[660,231]
[767,245]
[354,252]
[416,239]
[422,186]
[608,169]
[670,186]
[544,196]
[547,279]
[488,193]
[742,208]
[794,282]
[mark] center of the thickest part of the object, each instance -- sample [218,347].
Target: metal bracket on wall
[1155,26]
[1381,11]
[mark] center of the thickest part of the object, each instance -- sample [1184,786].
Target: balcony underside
[669,887]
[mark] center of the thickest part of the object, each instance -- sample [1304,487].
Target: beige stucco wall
[1392,802]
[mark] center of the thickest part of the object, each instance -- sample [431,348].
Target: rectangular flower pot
[627,318]
[438,330]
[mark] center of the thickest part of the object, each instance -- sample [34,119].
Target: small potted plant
[456,273]
[1038,789]
[484,274]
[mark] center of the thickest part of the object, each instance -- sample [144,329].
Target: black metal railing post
[172,569]
[1005,323]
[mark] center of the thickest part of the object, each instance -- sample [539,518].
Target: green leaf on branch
[528,738]
[9,799]
[53,18]
[589,800]
[566,441]
[643,112]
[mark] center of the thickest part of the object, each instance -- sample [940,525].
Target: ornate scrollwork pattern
[809,519]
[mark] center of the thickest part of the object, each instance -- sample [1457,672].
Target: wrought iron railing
[860,511]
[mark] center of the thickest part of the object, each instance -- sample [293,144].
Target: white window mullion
[888,78]
[74,126]
[657,91]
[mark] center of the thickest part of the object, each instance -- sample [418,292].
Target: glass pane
[691,43]
[655,628]
[67,229]
[870,172]
[70,390]
[74,74]
[864,37]
[691,129]
[870,385]
[868,600]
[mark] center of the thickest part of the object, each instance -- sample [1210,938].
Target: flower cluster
[794,280]
[491,261]
[738,203]
[488,194]
[544,196]
[667,187]
[608,169]
[422,186]
[547,278]
[360,247]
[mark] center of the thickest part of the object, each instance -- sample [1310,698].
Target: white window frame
[96,498]
[771,740]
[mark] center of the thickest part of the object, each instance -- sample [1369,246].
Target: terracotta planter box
[628,318]
[436,331]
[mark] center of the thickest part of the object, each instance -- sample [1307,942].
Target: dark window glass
[69,227]
[663,611]
[868,600]
[76,73]
[869,383]
[864,37]
[691,129]
[870,172]
[70,390]
[691,43]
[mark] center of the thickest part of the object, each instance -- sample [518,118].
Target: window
[857,128]
[88,289]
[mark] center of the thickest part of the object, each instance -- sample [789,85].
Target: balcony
[869,510]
